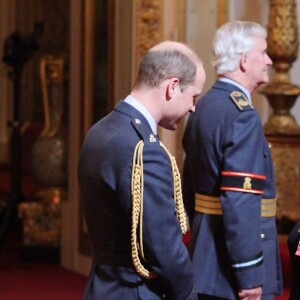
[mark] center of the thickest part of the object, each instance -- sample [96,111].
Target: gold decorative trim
[51,74]
[147,29]
[286,158]
[283,46]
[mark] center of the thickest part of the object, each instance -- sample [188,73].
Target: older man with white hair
[229,186]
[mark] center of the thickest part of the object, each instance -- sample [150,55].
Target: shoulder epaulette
[241,101]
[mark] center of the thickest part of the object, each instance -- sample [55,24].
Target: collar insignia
[152,138]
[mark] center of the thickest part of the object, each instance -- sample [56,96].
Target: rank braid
[137,186]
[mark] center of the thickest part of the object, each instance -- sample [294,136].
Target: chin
[264,81]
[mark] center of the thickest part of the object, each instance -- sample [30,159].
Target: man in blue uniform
[127,179]
[228,186]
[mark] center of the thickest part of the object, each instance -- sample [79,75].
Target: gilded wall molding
[283,32]
[283,46]
[147,28]
[286,157]
[282,130]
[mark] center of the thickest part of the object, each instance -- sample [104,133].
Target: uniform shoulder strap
[241,101]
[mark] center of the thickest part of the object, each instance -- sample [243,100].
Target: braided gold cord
[137,191]
[141,198]
[137,180]
[180,212]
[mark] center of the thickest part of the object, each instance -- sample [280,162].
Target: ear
[244,62]
[172,88]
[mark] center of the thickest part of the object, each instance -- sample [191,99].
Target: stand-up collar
[244,90]
[142,109]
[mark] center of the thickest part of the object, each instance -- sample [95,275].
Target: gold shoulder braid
[137,191]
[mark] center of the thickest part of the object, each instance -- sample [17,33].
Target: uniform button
[164,295]
[262,235]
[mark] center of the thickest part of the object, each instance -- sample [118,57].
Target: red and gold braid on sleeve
[242,182]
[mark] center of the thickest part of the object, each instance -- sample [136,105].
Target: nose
[269,60]
[192,109]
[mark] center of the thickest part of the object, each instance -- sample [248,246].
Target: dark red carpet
[24,280]
[39,281]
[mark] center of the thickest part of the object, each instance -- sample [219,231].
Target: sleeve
[241,205]
[162,236]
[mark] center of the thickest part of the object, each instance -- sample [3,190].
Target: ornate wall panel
[286,157]
[281,128]
[147,28]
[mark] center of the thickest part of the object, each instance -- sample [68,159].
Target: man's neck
[239,77]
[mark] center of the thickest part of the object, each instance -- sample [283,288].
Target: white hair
[231,41]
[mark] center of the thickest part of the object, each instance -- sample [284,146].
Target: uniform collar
[244,90]
[142,109]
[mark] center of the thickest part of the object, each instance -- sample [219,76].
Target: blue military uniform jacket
[227,171]
[104,172]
